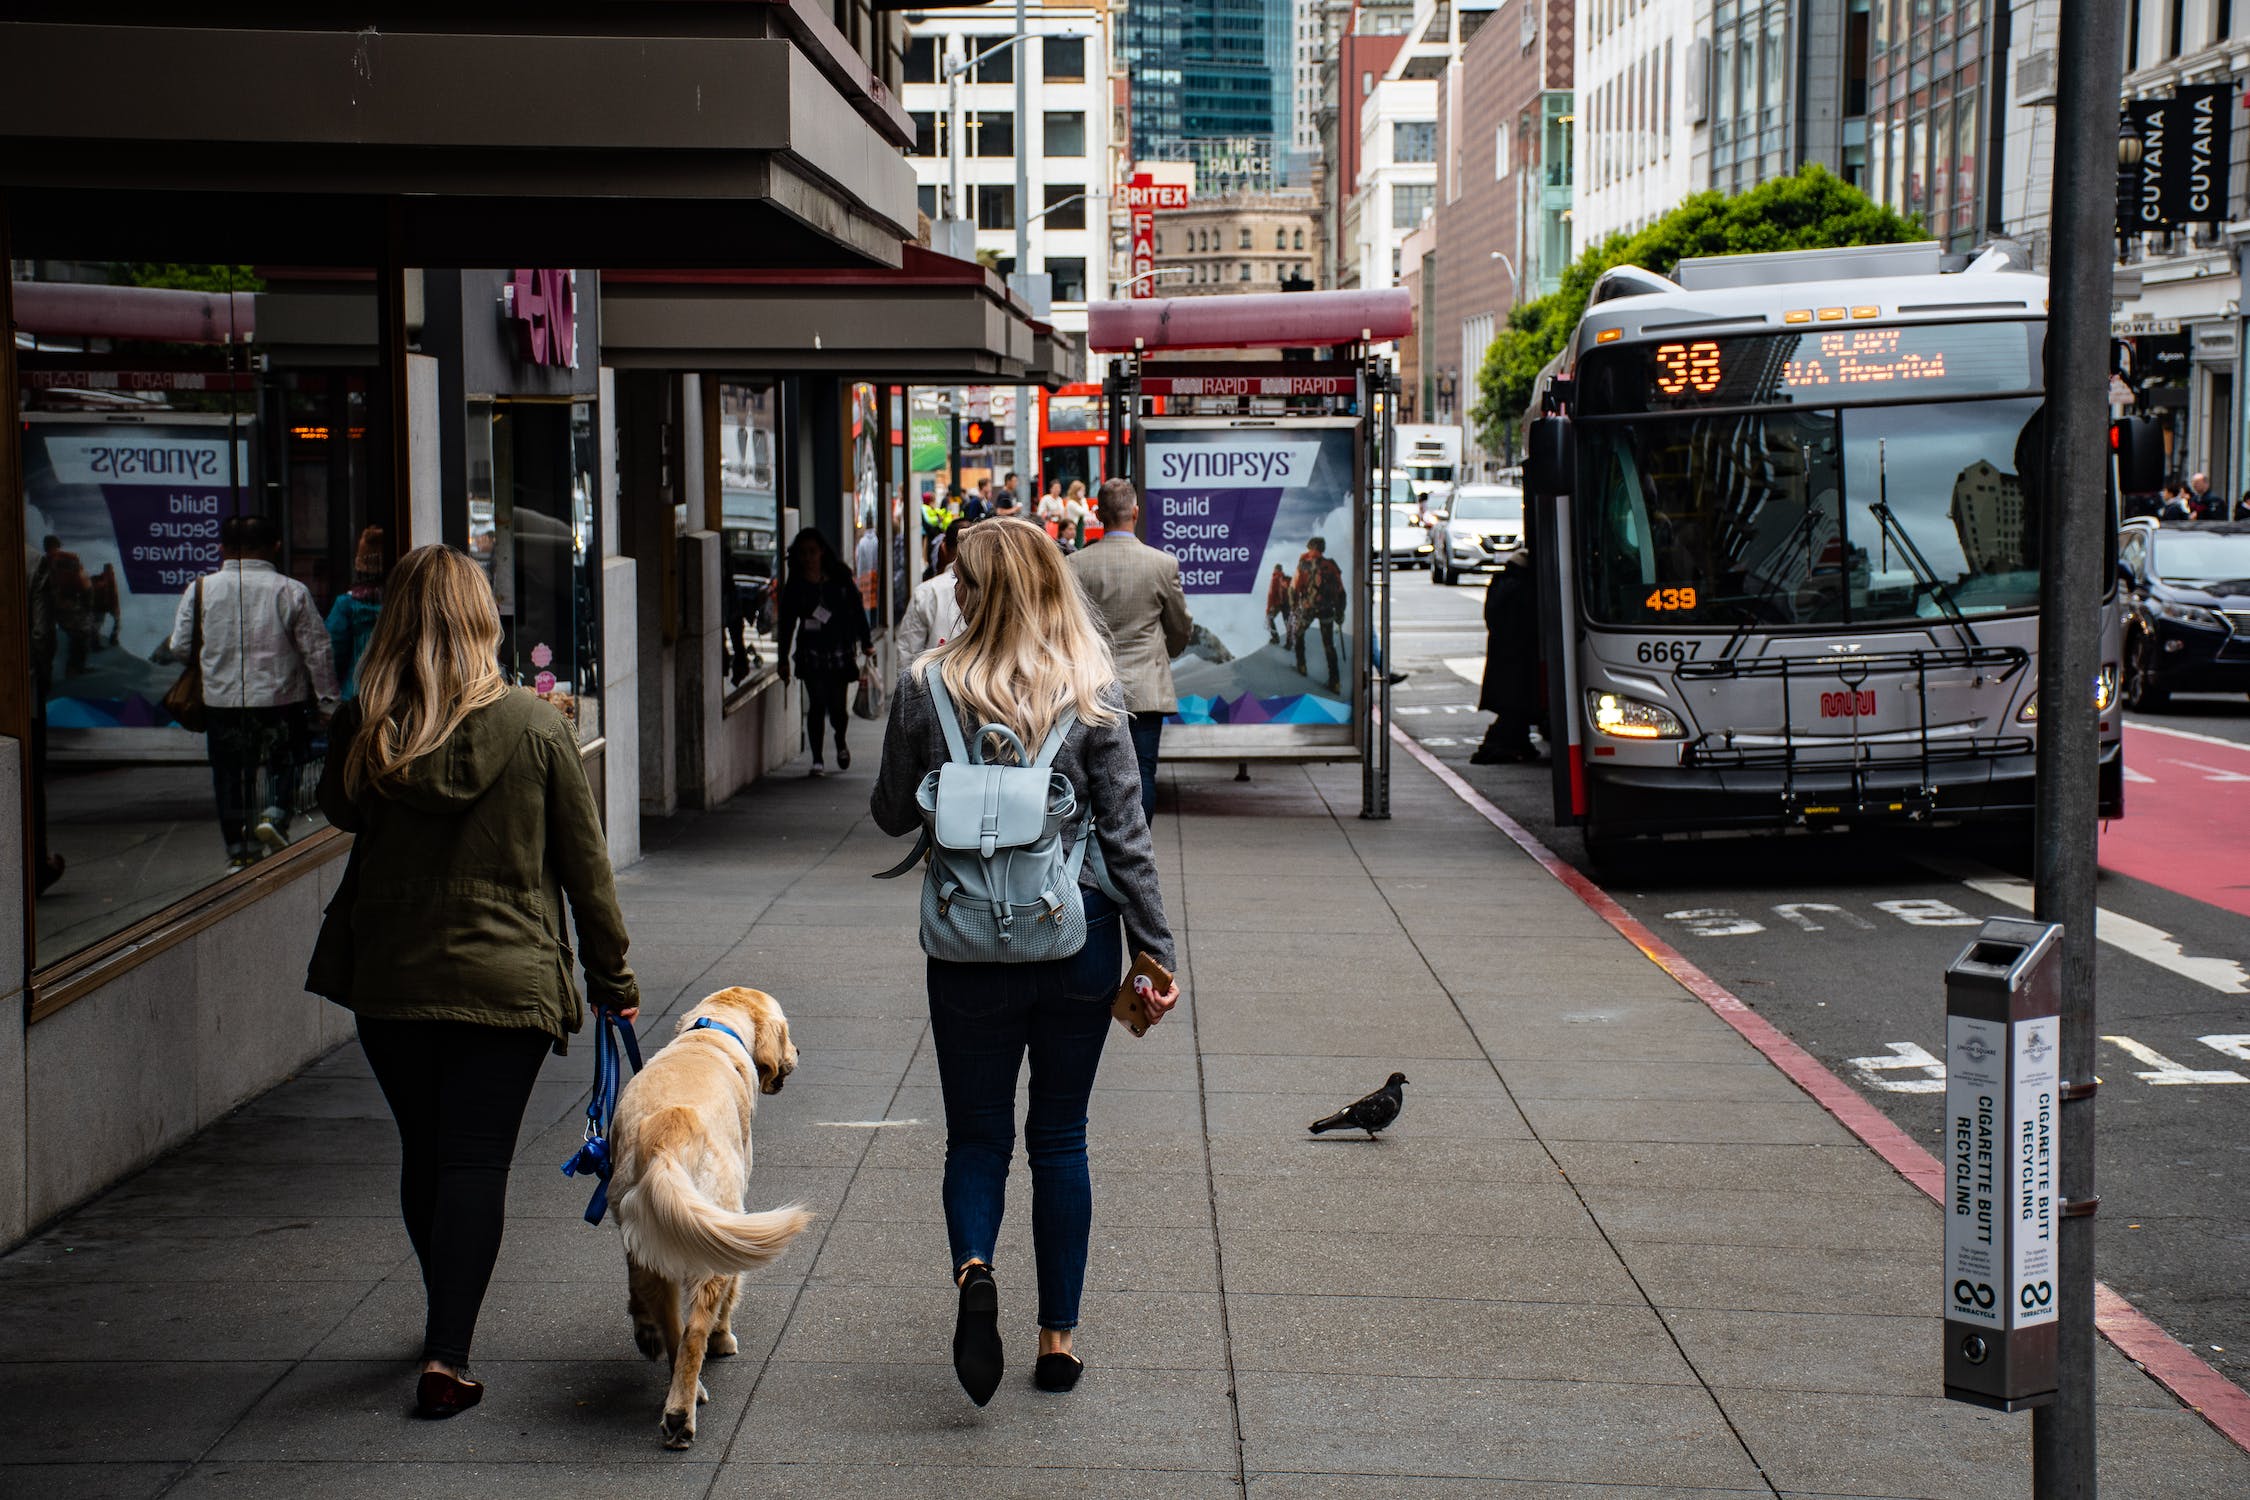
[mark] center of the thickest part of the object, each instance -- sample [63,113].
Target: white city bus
[1787,518]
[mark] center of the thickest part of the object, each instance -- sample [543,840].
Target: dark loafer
[977,1358]
[1057,1372]
[440,1395]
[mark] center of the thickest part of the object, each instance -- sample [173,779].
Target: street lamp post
[1159,273]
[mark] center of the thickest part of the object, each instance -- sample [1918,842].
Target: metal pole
[2074,506]
[1027,422]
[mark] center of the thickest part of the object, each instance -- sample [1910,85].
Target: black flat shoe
[440,1395]
[977,1358]
[1057,1372]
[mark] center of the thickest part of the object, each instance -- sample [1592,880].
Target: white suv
[1481,524]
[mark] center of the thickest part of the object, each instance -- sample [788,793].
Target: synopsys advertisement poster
[1260,517]
[121,519]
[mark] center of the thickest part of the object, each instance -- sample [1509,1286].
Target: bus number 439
[1848,704]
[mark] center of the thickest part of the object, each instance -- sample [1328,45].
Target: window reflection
[749,525]
[185,503]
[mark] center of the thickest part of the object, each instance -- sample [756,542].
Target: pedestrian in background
[2200,499]
[1135,591]
[267,666]
[933,614]
[1076,512]
[1028,650]
[1511,662]
[473,822]
[822,629]
[351,619]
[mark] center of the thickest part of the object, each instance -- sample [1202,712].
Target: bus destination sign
[1817,367]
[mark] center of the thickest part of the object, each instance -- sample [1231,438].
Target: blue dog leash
[612,1033]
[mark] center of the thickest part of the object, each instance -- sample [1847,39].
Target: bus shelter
[1258,429]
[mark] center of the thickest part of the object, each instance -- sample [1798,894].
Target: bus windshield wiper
[1926,579]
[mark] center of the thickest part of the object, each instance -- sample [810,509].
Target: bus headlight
[1625,718]
[2105,693]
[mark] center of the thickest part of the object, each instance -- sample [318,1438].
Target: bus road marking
[2127,933]
[2140,776]
[2235,1045]
[2211,773]
[1907,1057]
[1715,921]
[2162,1070]
[1796,913]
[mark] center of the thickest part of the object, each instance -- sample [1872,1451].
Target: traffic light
[976,433]
[2137,443]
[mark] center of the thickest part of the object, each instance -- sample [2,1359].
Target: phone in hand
[1146,979]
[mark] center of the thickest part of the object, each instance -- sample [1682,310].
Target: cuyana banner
[1260,517]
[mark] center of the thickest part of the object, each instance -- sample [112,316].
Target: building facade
[389,347]
[1635,156]
[1502,222]
[1363,52]
[1252,243]
[1212,84]
[967,136]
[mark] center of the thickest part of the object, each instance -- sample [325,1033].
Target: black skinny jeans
[828,700]
[458,1092]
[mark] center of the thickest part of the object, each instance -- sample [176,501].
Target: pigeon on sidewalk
[1371,1114]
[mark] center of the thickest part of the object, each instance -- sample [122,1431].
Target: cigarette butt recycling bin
[2003,1202]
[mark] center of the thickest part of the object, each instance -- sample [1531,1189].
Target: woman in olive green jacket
[473,823]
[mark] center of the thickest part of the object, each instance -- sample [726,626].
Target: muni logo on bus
[1848,704]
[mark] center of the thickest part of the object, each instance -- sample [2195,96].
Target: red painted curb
[2218,1400]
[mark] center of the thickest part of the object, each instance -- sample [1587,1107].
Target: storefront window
[203,455]
[534,506]
[749,527]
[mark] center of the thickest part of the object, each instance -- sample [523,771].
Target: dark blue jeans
[984,1018]
[1148,733]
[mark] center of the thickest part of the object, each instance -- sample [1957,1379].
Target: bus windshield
[1857,516]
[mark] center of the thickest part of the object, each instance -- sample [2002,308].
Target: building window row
[1064,58]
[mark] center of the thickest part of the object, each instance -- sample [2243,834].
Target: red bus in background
[1072,436]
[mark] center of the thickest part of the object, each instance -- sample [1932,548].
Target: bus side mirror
[2137,443]
[1549,466]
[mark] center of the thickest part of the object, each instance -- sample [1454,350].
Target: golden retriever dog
[681,1144]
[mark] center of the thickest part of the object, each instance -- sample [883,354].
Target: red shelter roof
[1270,320]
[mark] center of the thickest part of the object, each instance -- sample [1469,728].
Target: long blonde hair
[1028,647]
[432,661]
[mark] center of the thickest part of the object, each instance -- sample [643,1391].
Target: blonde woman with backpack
[1028,660]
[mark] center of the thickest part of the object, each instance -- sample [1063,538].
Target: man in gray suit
[1135,590]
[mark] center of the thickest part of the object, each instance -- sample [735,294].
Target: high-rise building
[968,134]
[1637,148]
[1211,84]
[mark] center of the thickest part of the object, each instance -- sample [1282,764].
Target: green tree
[187,278]
[1812,210]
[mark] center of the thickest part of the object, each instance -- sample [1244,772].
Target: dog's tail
[671,1228]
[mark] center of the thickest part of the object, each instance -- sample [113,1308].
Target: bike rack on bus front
[2004,662]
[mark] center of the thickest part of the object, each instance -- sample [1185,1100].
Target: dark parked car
[2187,622]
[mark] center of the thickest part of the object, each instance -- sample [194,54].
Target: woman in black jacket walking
[820,610]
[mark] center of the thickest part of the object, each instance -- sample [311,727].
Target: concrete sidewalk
[1607,1251]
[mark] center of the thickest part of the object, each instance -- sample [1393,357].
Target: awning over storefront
[932,320]
[761,138]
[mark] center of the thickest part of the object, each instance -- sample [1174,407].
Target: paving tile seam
[797,1297]
[1184,940]
[1742,1441]
[1622,1488]
[2170,1362]
[288,1368]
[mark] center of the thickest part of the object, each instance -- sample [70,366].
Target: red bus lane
[2187,816]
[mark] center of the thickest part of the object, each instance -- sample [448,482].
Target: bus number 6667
[1674,651]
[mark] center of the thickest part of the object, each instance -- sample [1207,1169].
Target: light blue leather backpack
[999,887]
